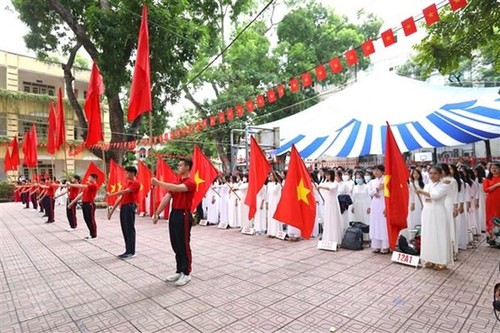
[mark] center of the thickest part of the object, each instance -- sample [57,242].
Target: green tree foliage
[108,31]
[307,36]
[471,33]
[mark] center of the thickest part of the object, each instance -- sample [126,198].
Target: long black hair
[481,173]
[464,171]
[456,175]
[420,181]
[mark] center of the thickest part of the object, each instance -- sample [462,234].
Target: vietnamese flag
[431,14]
[33,147]
[388,37]
[26,148]
[250,106]
[221,117]
[368,47]
[395,189]
[297,206]
[60,124]
[93,168]
[239,110]
[281,90]
[320,72]
[261,102]
[294,85]
[51,132]
[93,107]
[306,79]
[257,175]
[7,164]
[117,179]
[140,90]
[230,114]
[164,174]
[14,156]
[271,96]
[203,173]
[144,178]
[457,4]
[351,57]
[409,26]
[335,65]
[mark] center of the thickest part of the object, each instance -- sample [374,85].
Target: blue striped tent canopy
[352,122]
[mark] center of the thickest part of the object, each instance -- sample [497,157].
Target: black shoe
[50,221]
[126,256]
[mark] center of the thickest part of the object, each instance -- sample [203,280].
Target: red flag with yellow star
[395,188]
[93,168]
[297,206]
[116,181]
[203,173]
[259,169]
[165,174]
[144,178]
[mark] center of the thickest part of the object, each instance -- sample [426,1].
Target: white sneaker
[70,229]
[173,277]
[184,279]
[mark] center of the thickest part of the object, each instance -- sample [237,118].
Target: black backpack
[365,228]
[405,247]
[353,239]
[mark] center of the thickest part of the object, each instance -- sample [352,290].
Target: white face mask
[368,178]
[345,178]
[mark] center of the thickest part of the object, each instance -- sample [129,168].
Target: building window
[3,125]
[38,88]
[26,89]
[41,124]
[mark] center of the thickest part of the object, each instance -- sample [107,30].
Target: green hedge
[6,192]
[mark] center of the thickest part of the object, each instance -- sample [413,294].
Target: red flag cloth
[93,107]
[261,102]
[7,164]
[140,90]
[368,47]
[395,189]
[297,206]
[212,120]
[230,114]
[271,96]
[144,178]
[117,180]
[258,171]
[239,110]
[294,85]
[26,148]
[203,173]
[306,79]
[351,57]
[388,37]
[222,119]
[335,65]
[431,14]
[281,90]
[51,132]
[320,72]
[165,174]
[61,126]
[14,156]
[93,168]
[250,106]
[409,26]
[33,147]
[457,4]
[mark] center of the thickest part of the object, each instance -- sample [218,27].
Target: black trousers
[88,209]
[48,205]
[127,221]
[179,227]
[33,201]
[71,214]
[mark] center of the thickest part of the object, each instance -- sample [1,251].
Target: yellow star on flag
[387,179]
[141,188]
[197,179]
[119,186]
[302,192]
[113,188]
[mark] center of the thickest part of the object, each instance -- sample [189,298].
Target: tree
[471,33]
[307,36]
[108,30]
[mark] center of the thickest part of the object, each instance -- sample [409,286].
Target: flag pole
[153,169]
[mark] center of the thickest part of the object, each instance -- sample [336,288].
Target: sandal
[384,251]
[440,267]
[376,251]
[429,264]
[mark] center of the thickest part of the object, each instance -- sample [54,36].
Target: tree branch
[68,79]
[196,104]
[79,31]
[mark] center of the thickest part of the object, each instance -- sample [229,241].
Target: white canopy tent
[352,122]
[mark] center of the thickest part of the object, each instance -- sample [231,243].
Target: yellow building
[26,86]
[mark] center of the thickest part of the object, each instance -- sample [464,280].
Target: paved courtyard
[54,281]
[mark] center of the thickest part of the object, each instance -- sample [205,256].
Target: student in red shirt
[48,199]
[88,206]
[128,201]
[179,224]
[72,194]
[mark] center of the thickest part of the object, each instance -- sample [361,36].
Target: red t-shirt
[183,200]
[73,192]
[131,197]
[51,190]
[90,192]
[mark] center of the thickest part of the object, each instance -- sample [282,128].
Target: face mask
[345,178]
[244,179]
[359,181]
[368,178]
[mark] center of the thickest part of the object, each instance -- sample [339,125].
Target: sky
[391,11]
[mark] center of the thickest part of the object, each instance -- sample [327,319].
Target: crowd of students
[448,206]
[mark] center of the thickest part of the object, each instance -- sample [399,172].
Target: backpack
[405,247]
[365,228]
[353,239]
